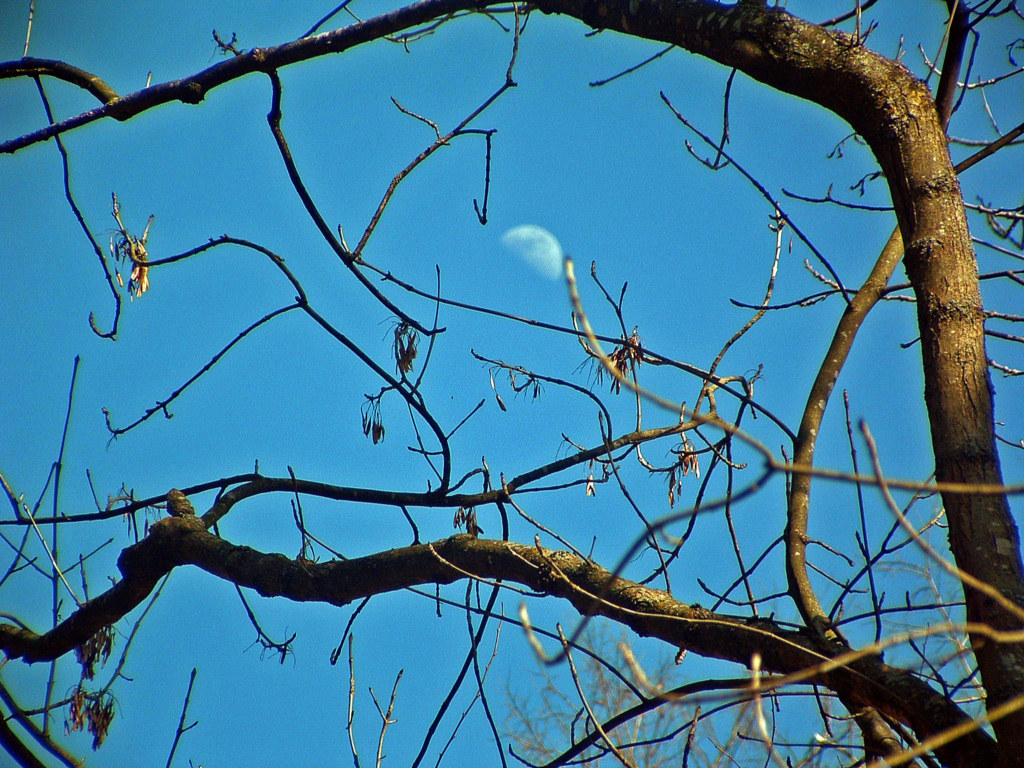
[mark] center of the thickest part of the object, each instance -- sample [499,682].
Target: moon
[537,247]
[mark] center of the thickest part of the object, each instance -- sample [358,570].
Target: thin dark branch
[80,218]
[327,17]
[182,728]
[634,68]
[161,405]
[349,259]
[764,192]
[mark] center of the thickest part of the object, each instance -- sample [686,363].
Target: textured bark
[193,89]
[897,116]
[895,113]
[862,681]
[879,740]
[799,501]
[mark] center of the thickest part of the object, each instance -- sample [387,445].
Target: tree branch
[590,589]
[30,67]
[193,89]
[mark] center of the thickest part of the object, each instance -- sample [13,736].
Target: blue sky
[604,169]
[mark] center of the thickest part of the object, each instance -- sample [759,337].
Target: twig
[161,405]
[457,683]
[883,486]
[386,716]
[590,712]
[28,27]
[440,142]
[182,728]
[764,193]
[80,218]
[634,68]
[351,701]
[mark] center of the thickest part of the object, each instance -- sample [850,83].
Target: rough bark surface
[896,114]
[862,680]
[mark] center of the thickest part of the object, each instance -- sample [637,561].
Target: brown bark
[896,115]
[799,501]
[16,748]
[862,681]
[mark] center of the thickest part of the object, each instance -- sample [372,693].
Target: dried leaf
[625,358]
[466,516]
[405,347]
[139,282]
[688,459]
[373,424]
[127,247]
[95,650]
[76,711]
[101,715]
[95,715]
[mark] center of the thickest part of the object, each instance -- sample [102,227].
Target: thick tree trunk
[940,263]
[896,115]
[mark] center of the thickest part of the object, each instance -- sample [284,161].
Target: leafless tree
[833,671]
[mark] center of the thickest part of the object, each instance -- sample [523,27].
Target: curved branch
[193,89]
[349,259]
[16,748]
[249,485]
[897,116]
[80,217]
[161,405]
[30,67]
[177,541]
[814,411]
[261,485]
[411,397]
